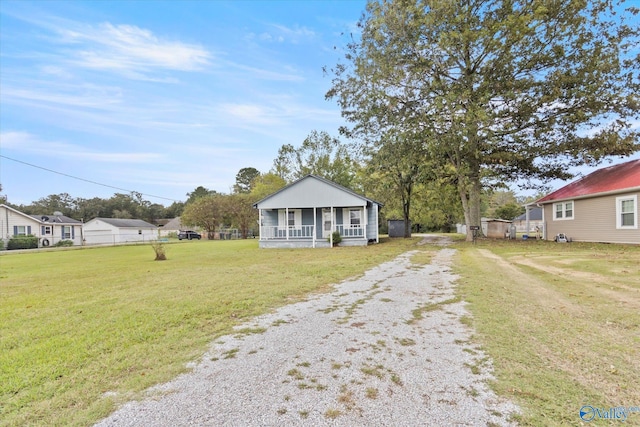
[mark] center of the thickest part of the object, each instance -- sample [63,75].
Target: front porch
[314,227]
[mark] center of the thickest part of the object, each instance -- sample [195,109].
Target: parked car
[188,234]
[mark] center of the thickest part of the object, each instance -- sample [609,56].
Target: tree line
[434,205]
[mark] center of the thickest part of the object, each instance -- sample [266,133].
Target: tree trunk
[469,189]
[406,207]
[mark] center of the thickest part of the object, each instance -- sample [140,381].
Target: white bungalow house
[49,229]
[113,231]
[305,214]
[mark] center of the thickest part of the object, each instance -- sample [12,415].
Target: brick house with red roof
[599,207]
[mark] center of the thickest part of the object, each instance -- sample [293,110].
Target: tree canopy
[496,90]
[244,179]
[320,154]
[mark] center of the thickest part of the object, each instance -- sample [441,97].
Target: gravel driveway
[387,348]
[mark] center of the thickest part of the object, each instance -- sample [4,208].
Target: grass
[82,331]
[559,321]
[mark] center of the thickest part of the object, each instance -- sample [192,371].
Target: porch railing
[306,232]
[350,230]
[299,232]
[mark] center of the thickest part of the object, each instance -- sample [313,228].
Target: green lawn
[561,323]
[84,330]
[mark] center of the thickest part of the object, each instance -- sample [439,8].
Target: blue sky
[161,97]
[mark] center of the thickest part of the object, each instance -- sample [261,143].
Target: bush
[158,248]
[1,245]
[337,238]
[64,243]
[23,242]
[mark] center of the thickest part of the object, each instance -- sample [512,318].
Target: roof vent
[45,218]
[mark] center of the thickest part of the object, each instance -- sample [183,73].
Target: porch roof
[313,191]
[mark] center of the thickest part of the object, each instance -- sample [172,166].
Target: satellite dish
[56,213]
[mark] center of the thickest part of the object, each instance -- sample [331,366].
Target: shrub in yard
[64,243]
[337,238]
[23,242]
[1,245]
[158,248]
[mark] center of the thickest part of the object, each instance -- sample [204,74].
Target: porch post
[286,221]
[377,225]
[260,223]
[313,232]
[332,225]
[365,220]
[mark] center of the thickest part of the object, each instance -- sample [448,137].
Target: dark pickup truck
[189,235]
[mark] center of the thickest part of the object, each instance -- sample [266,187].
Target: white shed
[112,231]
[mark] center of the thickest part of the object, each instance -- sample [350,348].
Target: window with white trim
[20,230]
[563,210]
[291,219]
[66,232]
[355,217]
[46,230]
[627,212]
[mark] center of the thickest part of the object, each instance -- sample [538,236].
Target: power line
[86,180]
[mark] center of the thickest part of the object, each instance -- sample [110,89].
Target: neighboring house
[306,212]
[113,231]
[174,226]
[49,229]
[600,207]
[534,220]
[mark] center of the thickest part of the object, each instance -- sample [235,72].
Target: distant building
[535,220]
[49,229]
[113,231]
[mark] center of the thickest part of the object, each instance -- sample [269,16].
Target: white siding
[311,192]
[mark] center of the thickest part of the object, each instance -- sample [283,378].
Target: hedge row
[22,242]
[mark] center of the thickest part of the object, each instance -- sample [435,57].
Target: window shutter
[42,230]
[28,229]
[73,232]
[15,230]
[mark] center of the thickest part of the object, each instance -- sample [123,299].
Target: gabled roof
[55,219]
[535,214]
[173,224]
[126,223]
[45,219]
[19,213]
[319,179]
[611,179]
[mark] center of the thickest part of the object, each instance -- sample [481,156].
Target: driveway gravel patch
[387,348]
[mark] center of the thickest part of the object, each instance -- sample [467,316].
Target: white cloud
[250,113]
[28,143]
[127,47]
[294,34]
[79,95]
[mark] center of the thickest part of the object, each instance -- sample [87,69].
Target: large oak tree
[497,90]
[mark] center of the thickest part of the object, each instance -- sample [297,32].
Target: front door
[326,223]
